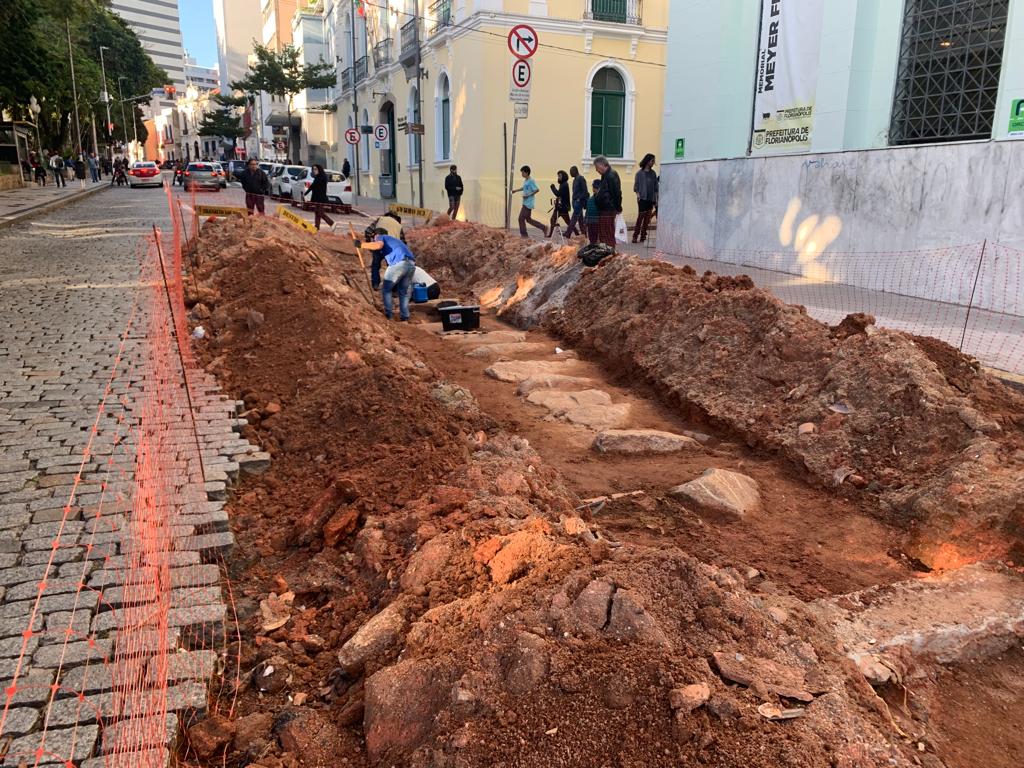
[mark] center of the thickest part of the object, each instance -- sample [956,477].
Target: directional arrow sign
[523,41]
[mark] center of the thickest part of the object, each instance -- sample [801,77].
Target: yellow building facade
[597,82]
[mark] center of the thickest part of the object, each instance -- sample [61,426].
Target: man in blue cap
[401,266]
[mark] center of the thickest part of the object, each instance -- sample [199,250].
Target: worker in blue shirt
[398,275]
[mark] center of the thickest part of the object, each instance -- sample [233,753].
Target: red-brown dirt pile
[454,609]
[914,422]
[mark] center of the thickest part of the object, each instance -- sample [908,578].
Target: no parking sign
[382,136]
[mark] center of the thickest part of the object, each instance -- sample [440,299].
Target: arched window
[444,118]
[607,113]
[414,117]
[365,144]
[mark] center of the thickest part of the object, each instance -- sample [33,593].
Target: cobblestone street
[72,348]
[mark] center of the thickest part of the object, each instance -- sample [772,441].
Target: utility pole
[355,95]
[419,97]
[106,101]
[124,123]
[74,89]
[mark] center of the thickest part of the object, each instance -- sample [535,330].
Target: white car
[144,173]
[281,177]
[339,188]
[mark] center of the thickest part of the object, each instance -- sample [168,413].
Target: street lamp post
[106,100]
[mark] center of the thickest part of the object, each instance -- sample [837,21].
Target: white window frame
[439,154]
[629,118]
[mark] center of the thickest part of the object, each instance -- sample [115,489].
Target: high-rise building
[239,25]
[203,78]
[158,27]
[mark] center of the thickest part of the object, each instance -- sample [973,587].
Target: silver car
[203,176]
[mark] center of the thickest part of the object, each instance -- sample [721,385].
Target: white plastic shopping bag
[621,233]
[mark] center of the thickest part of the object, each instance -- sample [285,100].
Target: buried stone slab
[554,381]
[590,408]
[640,441]
[967,613]
[510,349]
[721,492]
[515,371]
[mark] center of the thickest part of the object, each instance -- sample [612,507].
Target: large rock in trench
[721,492]
[515,371]
[554,381]
[640,441]
[375,637]
[400,704]
[589,408]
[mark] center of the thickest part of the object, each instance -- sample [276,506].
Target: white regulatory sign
[521,109]
[382,136]
[520,80]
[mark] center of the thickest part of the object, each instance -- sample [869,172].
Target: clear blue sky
[198,32]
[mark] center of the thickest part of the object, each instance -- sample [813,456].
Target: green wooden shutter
[607,123]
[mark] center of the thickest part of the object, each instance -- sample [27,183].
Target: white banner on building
[787,75]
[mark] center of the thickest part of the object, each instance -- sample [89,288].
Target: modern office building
[239,24]
[796,126]
[158,26]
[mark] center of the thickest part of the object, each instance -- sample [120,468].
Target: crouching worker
[391,223]
[401,266]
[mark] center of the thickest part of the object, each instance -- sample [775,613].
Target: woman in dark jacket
[561,193]
[318,196]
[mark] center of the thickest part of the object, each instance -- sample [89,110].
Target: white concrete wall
[889,200]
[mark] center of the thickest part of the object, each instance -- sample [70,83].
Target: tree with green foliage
[281,74]
[224,123]
[34,37]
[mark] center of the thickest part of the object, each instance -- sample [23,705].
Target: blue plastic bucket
[419,293]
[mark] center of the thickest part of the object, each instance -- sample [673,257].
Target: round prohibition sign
[521,73]
[523,41]
[352,136]
[381,133]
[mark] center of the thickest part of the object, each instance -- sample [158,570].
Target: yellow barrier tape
[219,210]
[288,215]
[408,210]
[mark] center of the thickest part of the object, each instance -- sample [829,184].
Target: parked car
[339,188]
[144,173]
[222,174]
[203,176]
[281,179]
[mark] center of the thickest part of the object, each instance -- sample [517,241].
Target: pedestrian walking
[529,190]
[580,196]
[593,215]
[346,168]
[318,196]
[57,166]
[398,276]
[609,200]
[561,202]
[94,167]
[645,185]
[257,187]
[453,188]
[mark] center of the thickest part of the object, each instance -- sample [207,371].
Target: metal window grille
[950,57]
[382,53]
[442,13]
[360,69]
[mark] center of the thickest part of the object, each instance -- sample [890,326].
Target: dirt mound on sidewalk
[415,587]
[939,442]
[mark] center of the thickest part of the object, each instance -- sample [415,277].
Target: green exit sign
[1017,117]
[680,147]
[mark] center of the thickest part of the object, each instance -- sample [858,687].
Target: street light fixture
[106,101]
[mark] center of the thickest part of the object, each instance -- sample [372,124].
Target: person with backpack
[57,166]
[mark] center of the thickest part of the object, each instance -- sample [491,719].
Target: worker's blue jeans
[398,277]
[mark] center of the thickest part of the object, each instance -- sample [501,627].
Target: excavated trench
[418,585]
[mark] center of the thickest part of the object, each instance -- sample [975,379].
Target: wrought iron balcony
[360,69]
[382,53]
[616,11]
[441,12]
[410,40]
[346,79]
